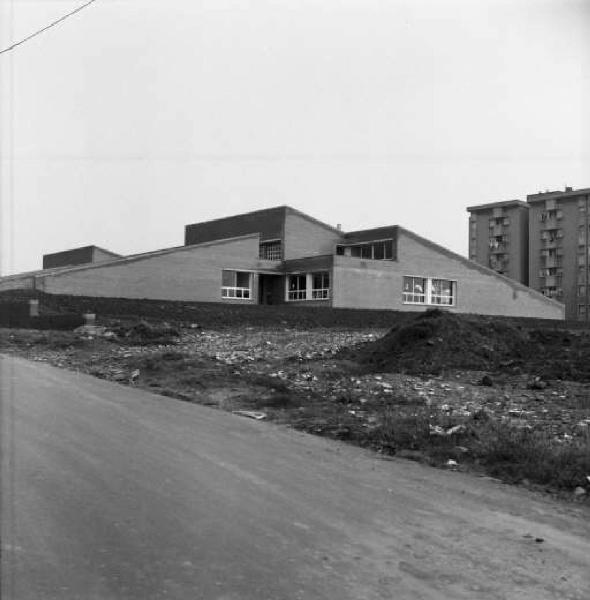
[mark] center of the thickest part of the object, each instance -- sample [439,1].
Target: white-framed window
[429,290]
[320,288]
[441,292]
[308,286]
[414,290]
[236,284]
[297,287]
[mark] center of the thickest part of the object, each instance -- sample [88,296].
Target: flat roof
[558,194]
[500,204]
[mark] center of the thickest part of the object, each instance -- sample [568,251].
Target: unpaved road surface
[113,493]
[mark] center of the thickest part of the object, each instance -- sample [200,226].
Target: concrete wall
[188,273]
[518,229]
[304,237]
[378,284]
[374,284]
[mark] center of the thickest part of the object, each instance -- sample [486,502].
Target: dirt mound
[438,340]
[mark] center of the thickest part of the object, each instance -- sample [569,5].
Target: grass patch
[514,454]
[510,453]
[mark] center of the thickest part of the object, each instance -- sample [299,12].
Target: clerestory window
[271,250]
[378,250]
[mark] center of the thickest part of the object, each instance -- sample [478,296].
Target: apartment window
[414,290]
[441,292]
[236,284]
[320,285]
[297,287]
[582,310]
[271,250]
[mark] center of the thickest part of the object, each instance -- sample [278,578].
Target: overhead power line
[63,18]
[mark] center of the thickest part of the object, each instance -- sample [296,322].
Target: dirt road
[113,493]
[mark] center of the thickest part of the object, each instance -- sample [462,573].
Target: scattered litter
[455,430]
[251,414]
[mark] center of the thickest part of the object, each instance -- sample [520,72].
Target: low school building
[283,256]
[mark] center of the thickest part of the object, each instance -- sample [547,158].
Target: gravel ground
[299,377]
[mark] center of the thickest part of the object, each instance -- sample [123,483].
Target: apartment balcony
[498,265]
[554,214]
[499,250]
[552,263]
[550,225]
[553,293]
[550,281]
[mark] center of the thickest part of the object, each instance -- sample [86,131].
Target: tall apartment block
[543,242]
[559,248]
[498,237]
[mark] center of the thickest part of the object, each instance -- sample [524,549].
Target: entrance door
[270,289]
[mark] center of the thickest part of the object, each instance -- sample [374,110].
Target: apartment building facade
[498,238]
[559,249]
[552,253]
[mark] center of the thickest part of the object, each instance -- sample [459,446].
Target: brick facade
[318,265]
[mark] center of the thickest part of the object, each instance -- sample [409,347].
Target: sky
[134,118]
